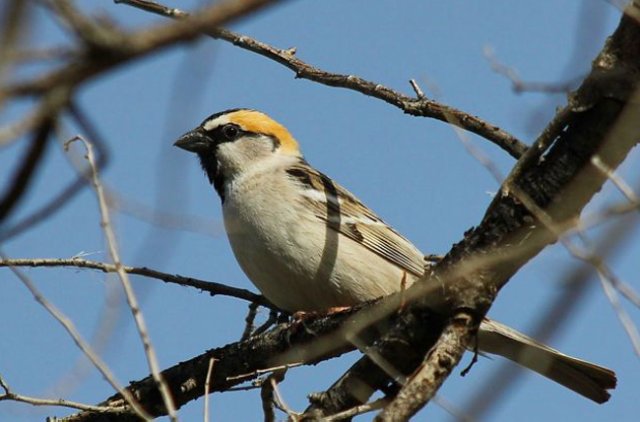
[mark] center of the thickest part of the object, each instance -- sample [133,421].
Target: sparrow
[308,244]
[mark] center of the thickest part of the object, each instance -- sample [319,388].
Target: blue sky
[414,172]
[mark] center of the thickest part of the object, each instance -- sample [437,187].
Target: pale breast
[293,257]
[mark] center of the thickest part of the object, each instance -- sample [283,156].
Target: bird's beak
[194,141]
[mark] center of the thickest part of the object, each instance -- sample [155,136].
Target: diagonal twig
[105,222]
[82,344]
[425,382]
[71,190]
[419,106]
[19,183]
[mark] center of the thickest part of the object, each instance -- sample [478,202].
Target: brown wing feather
[344,213]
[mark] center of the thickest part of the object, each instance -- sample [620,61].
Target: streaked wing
[344,213]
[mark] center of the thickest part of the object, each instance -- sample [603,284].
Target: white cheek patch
[214,123]
[227,152]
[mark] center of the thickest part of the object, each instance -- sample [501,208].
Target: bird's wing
[344,213]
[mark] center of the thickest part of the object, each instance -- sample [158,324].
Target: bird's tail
[585,378]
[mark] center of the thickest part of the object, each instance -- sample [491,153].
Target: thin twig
[44,111]
[357,410]
[264,371]
[207,383]
[266,397]
[591,258]
[12,24]
[417,89]
[82,344]
[20,181]
[113,48]
[167,220]
[626,321]
[458,414]
[622,186]
[105,222]
[475,152]
[154,7]
[602,216]
[574,287]
[71,190]
[519,86]
[36,401]
[92,33]
[36,55]
[206,286]
[273,318]
[273,380]
[249,320]
[420,106]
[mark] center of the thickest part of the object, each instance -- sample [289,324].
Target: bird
[310,245]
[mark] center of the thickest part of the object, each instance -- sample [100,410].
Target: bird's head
[233,141]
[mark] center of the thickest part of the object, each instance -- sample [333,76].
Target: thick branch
[438,363]
[234,364]
[553,182]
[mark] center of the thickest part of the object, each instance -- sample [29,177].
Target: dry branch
[21,180]
[131,405]
[74,187]
[599,121]
[206,286]
[123,276]
[427,379]
[9,394]
[106,48]
[419,106]
[234,364]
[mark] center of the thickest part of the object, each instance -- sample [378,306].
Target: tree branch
[114,48]
[72,189]
[419,106]
[233,366]
[206,286]
[36,401]
[132,300]
[438,363]
[19,183]
[599,121]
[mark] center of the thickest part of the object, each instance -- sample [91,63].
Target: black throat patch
[209,164]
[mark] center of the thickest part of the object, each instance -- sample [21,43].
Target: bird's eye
[230,131]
